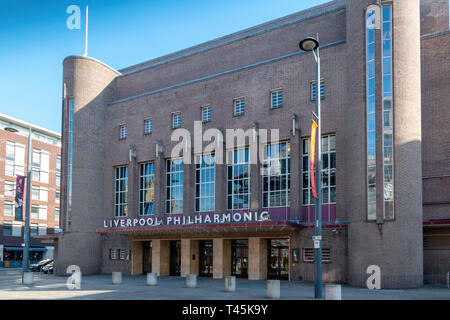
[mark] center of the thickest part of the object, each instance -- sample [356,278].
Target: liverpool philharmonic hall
[152,183]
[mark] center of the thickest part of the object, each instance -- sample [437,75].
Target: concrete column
[221,258]
[137,251]
[189,188]
[189,257]
[117,278]
[257,258]
[133,189]
[161,257]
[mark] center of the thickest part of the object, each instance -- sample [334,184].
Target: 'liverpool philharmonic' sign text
[187,220]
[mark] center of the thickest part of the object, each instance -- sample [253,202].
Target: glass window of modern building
[8,208]
[121,191]
[205,183]
[147,188]
[276,175]
[238,179]
[239,106]
[34,212]
[57,214]
[174,188]
[40,165]
[15,159]
[276,98]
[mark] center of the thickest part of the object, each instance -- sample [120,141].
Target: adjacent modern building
[45,189]
[142,191]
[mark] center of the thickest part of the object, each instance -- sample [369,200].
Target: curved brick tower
[87,85]
[394,244]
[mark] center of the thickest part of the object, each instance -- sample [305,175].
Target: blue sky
[34,40]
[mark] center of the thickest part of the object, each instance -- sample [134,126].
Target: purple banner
[20,182]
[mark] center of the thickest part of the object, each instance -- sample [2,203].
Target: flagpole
[26,249]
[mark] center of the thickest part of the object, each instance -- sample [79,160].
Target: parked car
[49,268]
[37,267]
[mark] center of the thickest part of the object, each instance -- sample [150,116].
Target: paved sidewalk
[99,287]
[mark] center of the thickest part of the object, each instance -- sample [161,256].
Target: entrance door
[206,258]
[175,257]
[147,263]
[239,258]
[278,256]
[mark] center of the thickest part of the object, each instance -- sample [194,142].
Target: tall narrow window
[175,177]
[206,113]
[147,189]
[239,106]
[176,120]
[205,183]
[328,171]
[148,126]
[314,90]
[58,164]
[8,208]
[276,175]
[370,111]
[276,99]
[123,131]
[9,189]
[388,167]
[57,214]
[121,194]
[238,195]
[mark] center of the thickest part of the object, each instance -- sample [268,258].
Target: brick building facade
[46,178]
[129,205]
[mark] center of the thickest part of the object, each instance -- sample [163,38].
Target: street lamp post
[26,249]
[311,44]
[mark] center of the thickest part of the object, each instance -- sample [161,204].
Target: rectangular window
[147,189]
[276,99]
[40,165]
[123,131]
[36,176]
[122,254]
[36,158]
[205,183]
[10,153]
[113,254]
[57,214]
[314,90]
[35,193]
[58,180]
[206,114]
[174,192]
[176,120]
[58,197]
[7,229]
[328,171]
[239,106]
[276,175]
[42,213]
[370,116]
[8,208]
[121,192]
[58,164]
[15,159]
[33,229]
[308,255]
[34,212]
[148,126]
[17,229]
[238,179]
[42,229]
[9,189]
[9,169]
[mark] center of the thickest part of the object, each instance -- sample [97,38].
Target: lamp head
[11,129]
[309,44]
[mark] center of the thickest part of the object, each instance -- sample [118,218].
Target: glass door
[239,258]
[175,257]
[147,256]
[278,259]
[206,258]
